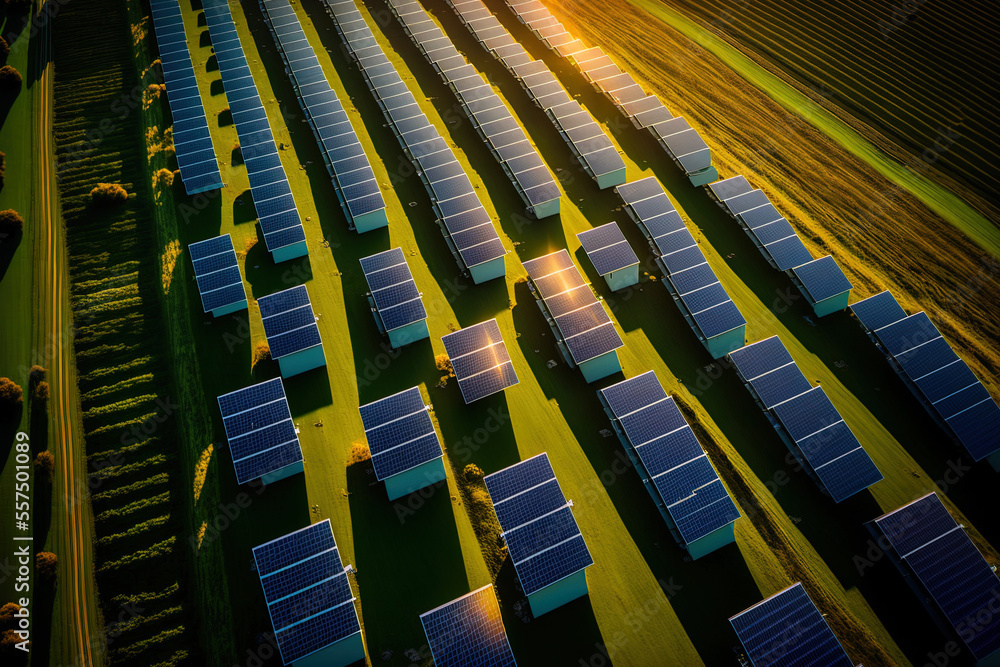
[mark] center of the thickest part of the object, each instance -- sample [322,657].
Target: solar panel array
[678,468]
[488,114]
[585,327]
[480,360]
[308,594]
[345,159]
[675,135]
[947,564]
[787,629]
[948,387]
[289,322]
[217,272]
[607,248]
[537,524]
[464,219]
[272,196]
[468,631]
[805,413]
[192,140]
[400,433]
[260,430]
[589,143]
[397,300]
[700,294]
[776,239]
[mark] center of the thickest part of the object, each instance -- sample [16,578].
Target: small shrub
[10,78]
[45,464]
[8,648]
[41,392]
[443,364]
[36,374]
[45,566]
[11,398]
[473,473]
[11,222]
[163,178]
[359,454]
[108,193]
[261,353]
[7,612]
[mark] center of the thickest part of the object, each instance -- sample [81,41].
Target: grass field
[412,555]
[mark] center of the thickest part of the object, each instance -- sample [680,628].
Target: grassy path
[939,199]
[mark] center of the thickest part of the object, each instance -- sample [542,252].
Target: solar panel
[289,322]
[931,544]
[950,390]
[607,248]
[787,629]
[585,327]
[480,360]
[807,417]
[400,433]
[398,303]
[468,631]
[471,250]
[307,592]
[259,427]
[217,272]
[822,278]
[688,487]
[278,216]
[730,187]
[543,539]
[193,147]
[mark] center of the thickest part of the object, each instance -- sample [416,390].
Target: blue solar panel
[787,630]
[260,430]
[468,631]
[254,142]
[400,433]
[308,595]
[927,539]
[584,325]
[822,278]
[197,161]
[397,300]
[607,248]
[217,273]
[538,526]
[289,322]
[480,360]
[878,311]
[689,488]
[730,187]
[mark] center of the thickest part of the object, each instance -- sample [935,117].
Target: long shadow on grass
[396,546]
[8,246]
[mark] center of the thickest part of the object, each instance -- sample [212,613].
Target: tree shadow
[8,247]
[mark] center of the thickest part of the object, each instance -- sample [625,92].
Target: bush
[45,464]
[10,78]
[11,398]
[45,566]
[163,178]
[473,473]
[8,648]
[261,353]
[11,222]
[108,193]
[7,612]
[36,374]
[41,392]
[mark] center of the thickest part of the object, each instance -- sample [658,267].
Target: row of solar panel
[193,147]
[393,291]
[217,272]
[699,292]
[675,135]
[352,174]
[590,144]
[488,114]
[456,203]
[947,386]
[585,328]
[607,248]
[807,417]
[272,196]
[819,279]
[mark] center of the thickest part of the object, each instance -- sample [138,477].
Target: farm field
[172,529]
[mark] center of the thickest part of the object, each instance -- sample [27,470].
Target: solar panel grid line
[285,313]
[468,631]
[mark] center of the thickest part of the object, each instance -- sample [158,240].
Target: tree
[45,566]
[36,374]
[11,222]
[7,612]
[11,399]
[10,78]
[45,464]
[108,193]
[8,648]
[41,392]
